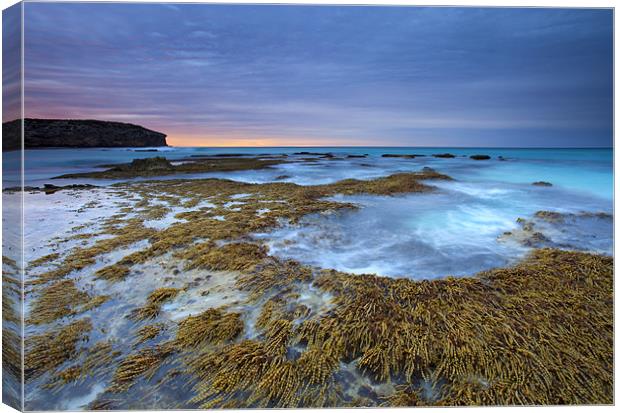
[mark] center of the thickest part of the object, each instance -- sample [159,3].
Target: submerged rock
[444,155]
[323,154]
[550,216]
[394,155]
[480,157]
[581,231]
[542,183]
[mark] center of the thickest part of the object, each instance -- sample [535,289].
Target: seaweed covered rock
[157,163]
[506,327]
[212,326]
[160,166]
[291,335]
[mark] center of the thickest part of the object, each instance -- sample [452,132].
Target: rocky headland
[50,133]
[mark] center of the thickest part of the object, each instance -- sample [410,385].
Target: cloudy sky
[214,75]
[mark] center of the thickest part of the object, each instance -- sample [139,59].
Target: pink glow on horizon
[232,140]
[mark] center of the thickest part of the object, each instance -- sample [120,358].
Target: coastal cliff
[41,133]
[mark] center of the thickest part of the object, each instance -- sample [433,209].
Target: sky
[251,75]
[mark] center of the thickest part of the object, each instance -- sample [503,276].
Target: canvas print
[214,206]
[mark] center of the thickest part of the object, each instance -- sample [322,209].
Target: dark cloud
[303,74]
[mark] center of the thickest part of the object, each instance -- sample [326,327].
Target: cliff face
[41,133]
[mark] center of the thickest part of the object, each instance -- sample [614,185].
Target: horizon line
[388,146]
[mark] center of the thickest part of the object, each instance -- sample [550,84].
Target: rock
[324,154]
[45,133]
[272,155]
[526,235]
[501,158]
[428,169]
[145,165]
[292,353]
[536,239]
[366,392]
[480,157]
[159,166]
[50,189]
[19,189]
[358,156]
[550,216]
[280,177]
[444,155]
[542,183]
[394,155]
[600,215]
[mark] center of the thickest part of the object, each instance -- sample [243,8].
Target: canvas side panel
[12,207]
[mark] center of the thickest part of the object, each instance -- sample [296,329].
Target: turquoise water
[587,170]
[456,230]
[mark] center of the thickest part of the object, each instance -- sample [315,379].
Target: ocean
[453,231]
[489,216]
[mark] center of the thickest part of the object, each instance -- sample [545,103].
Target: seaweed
[8,307]
[153,303]
[98,362]
[484,327]
[11,353]
[43,260]
[80,258]
[537,333]
[148,332]
[274,275]
[230,257]
[114,272]
[212,326]
[46,352]
[144,363]
[404,396]
[540,332]
[62,299]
